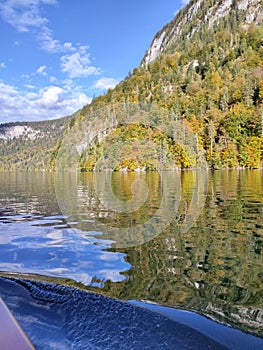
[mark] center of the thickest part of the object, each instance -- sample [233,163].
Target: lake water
[190,240]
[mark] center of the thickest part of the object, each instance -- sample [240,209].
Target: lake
[189,240]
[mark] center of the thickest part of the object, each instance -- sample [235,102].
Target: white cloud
[77,64]
[7,90]
[58,100]
[67,84]
[106,83]
[52,101]
[68,46]
[48,103]
[81,100]
[30,86]
[48,43]
[42,70]
[23,14]
[53,80]
[50,97]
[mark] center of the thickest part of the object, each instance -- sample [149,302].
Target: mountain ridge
[193,11]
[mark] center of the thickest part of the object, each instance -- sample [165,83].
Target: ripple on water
[37,246]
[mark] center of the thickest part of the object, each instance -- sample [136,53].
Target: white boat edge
[11,334]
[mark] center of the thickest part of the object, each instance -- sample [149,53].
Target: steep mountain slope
[199,13]
[209,74]
[29,145]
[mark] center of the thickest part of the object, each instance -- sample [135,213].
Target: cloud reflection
[65,253]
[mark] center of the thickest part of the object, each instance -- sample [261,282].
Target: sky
[56,55]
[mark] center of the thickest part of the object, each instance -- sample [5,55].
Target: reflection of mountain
[28,193]
[216,267]
[211,263]
[131,208]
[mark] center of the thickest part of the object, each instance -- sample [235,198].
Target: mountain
[198,14]
[198,93]
[29,145]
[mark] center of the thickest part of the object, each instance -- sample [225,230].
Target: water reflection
[207,259]
[36,239]
[216,266]
[132,208]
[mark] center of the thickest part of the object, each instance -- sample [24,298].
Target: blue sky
[55,55]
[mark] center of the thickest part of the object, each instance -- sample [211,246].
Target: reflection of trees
[28,192]
[86,200]
[123,218]
[214,268]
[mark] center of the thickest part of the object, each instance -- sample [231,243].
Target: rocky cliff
[199,13]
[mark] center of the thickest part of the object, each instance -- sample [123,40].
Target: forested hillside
[213,80]
[210,75]
[29,145]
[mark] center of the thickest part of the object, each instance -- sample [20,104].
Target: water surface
[191,240]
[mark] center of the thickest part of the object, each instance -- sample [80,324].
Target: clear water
[190,240]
